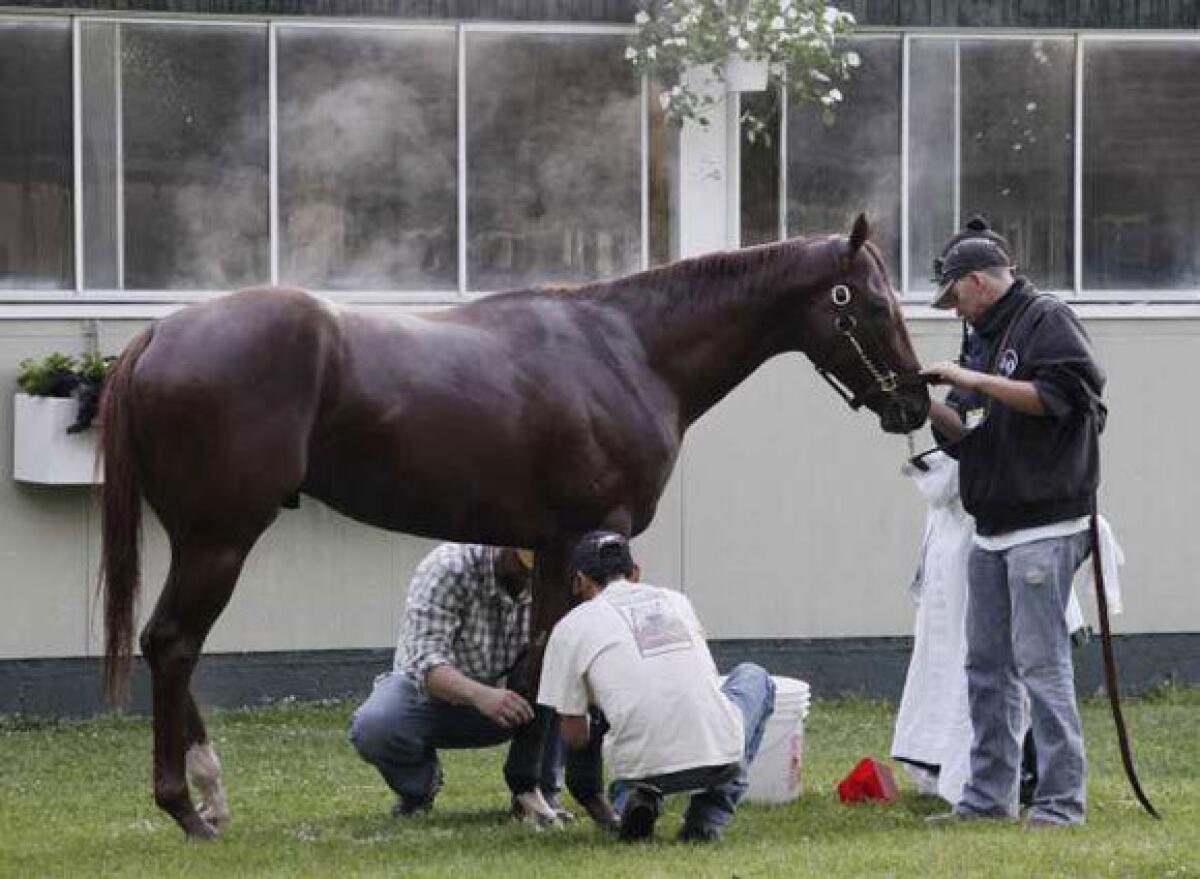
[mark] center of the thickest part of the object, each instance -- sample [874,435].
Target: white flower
[651,52]
[751,26]
[853,59]
[835,95]
[742,44]
[641,18]
[664,100]
[777,23]
[791,12]
[733,31]
[819,76]
[630,53]
[1031,106]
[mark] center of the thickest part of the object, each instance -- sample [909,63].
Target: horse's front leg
[552,600]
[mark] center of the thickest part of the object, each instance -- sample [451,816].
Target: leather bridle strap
[1110,667]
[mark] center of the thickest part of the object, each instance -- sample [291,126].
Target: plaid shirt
[458,614]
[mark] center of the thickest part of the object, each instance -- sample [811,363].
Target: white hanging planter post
[746,74]
[43,451]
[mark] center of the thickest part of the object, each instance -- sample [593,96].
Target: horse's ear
[859,234]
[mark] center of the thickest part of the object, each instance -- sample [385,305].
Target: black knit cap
[973,249]
[602,556]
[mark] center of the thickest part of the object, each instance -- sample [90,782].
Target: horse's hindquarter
[227,392]
[493,424]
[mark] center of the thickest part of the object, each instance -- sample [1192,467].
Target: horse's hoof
[219,819]
[199,830]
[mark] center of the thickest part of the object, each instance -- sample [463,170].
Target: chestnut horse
[524,419]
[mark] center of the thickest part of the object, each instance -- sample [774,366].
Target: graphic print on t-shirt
[656,626]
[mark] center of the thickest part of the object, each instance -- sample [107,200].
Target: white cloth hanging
[933,724]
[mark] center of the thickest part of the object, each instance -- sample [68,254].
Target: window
[194,129]
[835,172]
[36,229]
[368,158]
[554,159]
[991,132]
[1141,165]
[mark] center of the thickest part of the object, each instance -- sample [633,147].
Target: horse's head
[857,339]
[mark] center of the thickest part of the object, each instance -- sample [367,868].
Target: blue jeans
[399,731]
[1017,635]
[752,692]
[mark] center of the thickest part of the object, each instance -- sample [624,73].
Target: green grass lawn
[75,802]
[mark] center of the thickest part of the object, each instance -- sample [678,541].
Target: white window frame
[127,304]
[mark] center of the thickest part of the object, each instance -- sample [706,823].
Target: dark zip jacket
[1020,471]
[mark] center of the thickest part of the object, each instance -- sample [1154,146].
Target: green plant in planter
[54,376]
[60,375]
[802,40]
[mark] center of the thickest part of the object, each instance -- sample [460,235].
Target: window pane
[194,116]
[932,140]
[1141,165]
[1015,151]
[99,63]
[368,158]
[759,185]
[554,159]
[837,171]
[36,246]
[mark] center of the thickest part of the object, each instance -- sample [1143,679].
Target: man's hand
[502,707]
[947,372]
[1020,395]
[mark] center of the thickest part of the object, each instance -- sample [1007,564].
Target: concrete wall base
[873,667]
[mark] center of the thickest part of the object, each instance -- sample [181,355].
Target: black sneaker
[642,808]
[407,806]
[700,833]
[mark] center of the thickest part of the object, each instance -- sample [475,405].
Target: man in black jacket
[1029,468]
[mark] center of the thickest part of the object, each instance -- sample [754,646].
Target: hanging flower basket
[43,451]
[53,440]
[794,44]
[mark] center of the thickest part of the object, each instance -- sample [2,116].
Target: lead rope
[1110,667]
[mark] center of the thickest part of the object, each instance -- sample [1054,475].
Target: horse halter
[886,381]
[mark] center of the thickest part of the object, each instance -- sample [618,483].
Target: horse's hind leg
[204,770]
[198,587]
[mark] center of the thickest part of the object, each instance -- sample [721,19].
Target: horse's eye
[840,295]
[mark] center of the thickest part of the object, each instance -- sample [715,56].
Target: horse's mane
[694,284]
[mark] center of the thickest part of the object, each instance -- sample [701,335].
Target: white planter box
[745,75]
[43,451]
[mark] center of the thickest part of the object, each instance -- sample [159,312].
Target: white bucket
[775,774]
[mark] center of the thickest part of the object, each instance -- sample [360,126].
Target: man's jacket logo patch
[1008,363]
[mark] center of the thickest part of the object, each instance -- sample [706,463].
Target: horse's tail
[121,516]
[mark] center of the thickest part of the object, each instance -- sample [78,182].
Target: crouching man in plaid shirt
[465,630]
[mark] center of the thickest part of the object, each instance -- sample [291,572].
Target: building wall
[786,519]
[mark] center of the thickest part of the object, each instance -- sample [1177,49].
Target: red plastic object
[868,780]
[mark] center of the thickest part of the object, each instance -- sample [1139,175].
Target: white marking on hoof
[535,812]
[204,774]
